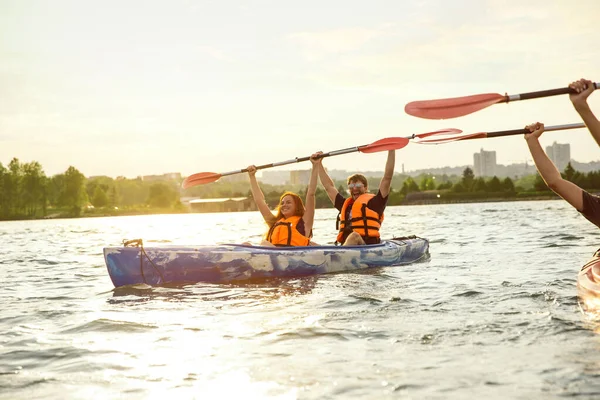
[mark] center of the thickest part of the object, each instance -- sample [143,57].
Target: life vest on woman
[284,232]
[364,221]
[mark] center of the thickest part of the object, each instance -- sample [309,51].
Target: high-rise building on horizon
[300,177]
[275,177]
[484,163]
[559,154]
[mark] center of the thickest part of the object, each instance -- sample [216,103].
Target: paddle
[482,135]
[390,143]
[459,106]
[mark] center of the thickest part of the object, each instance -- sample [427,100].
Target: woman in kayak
[292,225]
[587,204]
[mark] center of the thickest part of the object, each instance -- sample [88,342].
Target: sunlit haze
[136,88]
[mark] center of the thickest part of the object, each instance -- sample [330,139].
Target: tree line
[27,193]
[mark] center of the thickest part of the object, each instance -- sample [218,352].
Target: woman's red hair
[297,201]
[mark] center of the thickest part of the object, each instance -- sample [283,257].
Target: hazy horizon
[113,88]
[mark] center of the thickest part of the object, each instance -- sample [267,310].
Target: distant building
[300,177]
[560,154]
[232,204]
[484,163]
[275,177]
[295,177]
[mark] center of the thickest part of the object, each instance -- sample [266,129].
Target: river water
[492,314]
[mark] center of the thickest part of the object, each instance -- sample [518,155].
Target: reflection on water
[262,290]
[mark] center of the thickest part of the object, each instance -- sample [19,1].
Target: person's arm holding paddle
[548,171]
[388,174]
[311,190]
[326,180]
[584,88]
[259,197]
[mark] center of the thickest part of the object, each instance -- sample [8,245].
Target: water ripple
[495,307]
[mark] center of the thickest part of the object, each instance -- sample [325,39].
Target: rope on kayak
[139,243]
[405,237]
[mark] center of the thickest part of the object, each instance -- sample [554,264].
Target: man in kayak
[292,226]
[361,214]
[587,204]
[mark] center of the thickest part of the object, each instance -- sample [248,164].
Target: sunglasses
[355,185]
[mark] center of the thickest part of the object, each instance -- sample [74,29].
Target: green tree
[395,197]
[322,199]
[569,172]
[13,187]
[34,191]
[427,183]
[468,178]
[99,198]
[479,185]
[54,189]
[458,187]
[162,195]
[526,182]
[594,180]
[539,184]
[132,192]
[4,202]
[508,186]
[409,186]
[494,185]
[73,194]
[112,200]
[445,185]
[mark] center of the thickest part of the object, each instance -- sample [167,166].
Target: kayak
[588,285]
[223,263]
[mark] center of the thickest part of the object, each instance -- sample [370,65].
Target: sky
[128,88]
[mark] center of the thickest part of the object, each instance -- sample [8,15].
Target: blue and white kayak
[225,263]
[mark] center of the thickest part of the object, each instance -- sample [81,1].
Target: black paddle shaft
[524,131]
[542,93]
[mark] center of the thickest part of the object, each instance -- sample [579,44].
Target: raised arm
[259,197]
[326,181]
[584,88]
[309,213]
[388,174]
[550,174]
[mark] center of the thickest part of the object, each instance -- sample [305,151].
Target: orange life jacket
[285,233]
[364,221]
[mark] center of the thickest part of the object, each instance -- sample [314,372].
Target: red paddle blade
[200,179]
[479,135]
[449,131]
[453,107]
[391,143]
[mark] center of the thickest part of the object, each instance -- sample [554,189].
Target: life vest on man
[284,232]
[364,221]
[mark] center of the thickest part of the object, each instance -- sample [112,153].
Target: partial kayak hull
[588,286]
[235,262]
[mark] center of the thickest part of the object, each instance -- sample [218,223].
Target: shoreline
[423,202]
[489,200]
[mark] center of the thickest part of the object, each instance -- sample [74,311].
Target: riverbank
[417,199]
[435,201]
[100,212]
